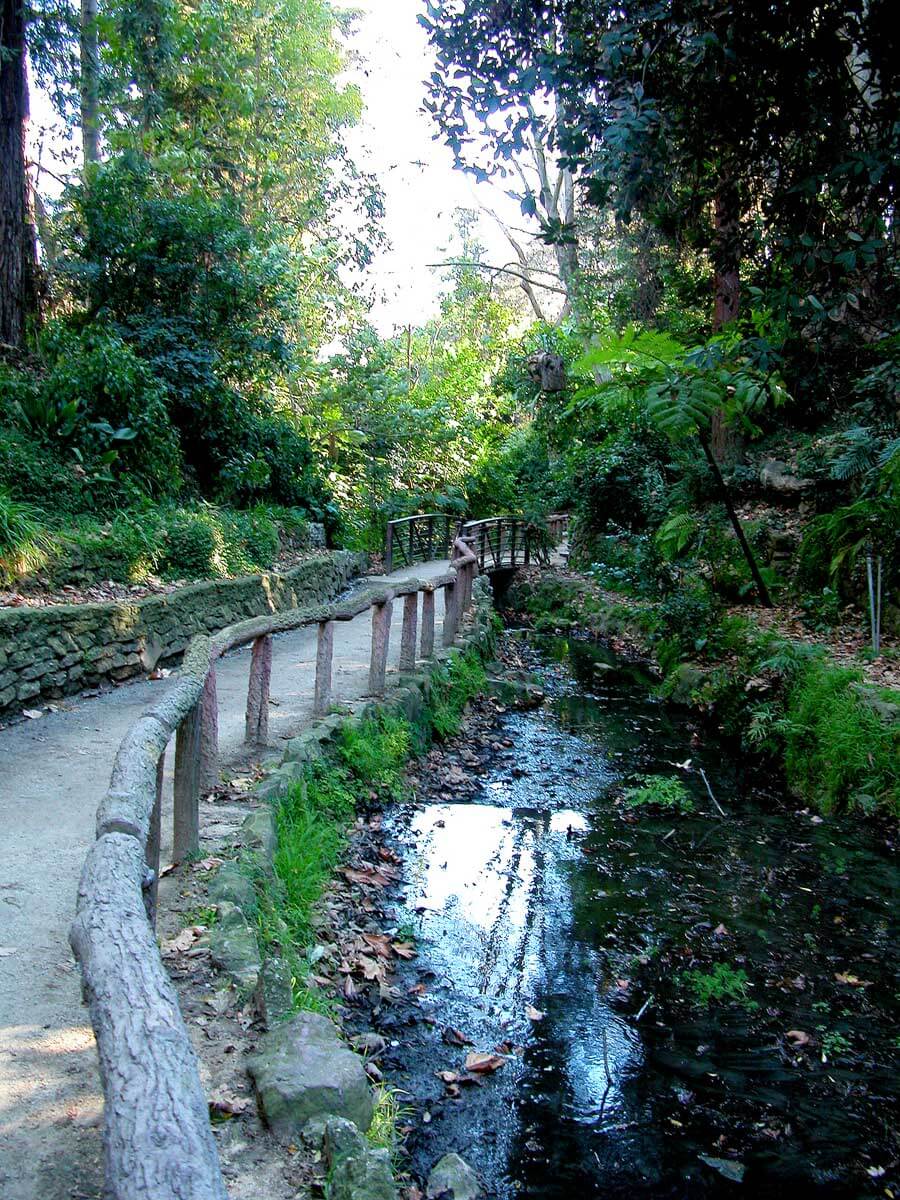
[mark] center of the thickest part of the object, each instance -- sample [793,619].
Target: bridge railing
[513,542]
[419,538]
[158,1143]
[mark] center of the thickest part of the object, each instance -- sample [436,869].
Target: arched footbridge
[496,543]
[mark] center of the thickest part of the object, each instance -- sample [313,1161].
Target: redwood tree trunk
[16,230]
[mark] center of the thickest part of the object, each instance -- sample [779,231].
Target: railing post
[430,538]
[426,644]
[512,543]
[186,839]
[451,602]
[209,733]
[324,658]
[408,634]
[381,640]
[256,729]
[389,550]
[154,838]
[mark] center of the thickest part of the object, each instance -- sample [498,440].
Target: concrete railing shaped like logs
[158,1143]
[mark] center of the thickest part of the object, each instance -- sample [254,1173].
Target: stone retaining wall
[46,653]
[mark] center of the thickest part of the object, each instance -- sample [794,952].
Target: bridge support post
[154,838]
[426,643]
[381,640]
[324,659]
[451,602]
[408,634]
[256,728]
[187,786]
[209,733]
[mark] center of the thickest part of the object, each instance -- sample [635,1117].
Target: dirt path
[54,772]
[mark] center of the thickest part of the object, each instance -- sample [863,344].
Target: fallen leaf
[852,980]
[454,1038]
[532,1013]
[378,942]
[725,1166]
[404,950]
[33,714]
[482,1064]
[209,864]
[349,989]
[184,941]
[448,1076]
[228,1105]
[721,931]
[370,968]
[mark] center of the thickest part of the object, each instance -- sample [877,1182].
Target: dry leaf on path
[482,1064]
[404,949]
[454,1038]
[228,1105]
[532,1013]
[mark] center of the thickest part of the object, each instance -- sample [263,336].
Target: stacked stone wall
[47,653]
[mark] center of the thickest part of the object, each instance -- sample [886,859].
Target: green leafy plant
[720,984]
[660,791]
[25,544]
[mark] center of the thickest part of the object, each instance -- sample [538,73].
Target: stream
[680,1005]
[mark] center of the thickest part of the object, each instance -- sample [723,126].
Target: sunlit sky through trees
[390,58]
[422,188]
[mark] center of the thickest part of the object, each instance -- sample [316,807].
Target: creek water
[546,891]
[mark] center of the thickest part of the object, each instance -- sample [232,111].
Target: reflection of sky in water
[492,888]
[463,857]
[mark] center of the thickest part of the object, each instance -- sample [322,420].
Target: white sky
[422,189]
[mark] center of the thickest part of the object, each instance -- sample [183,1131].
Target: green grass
[452,687]
[839,752]
[25,543]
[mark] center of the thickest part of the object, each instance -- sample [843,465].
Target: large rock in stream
[303,1071]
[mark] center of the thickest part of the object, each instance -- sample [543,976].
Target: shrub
[194,549]
[117,403]
[126,549]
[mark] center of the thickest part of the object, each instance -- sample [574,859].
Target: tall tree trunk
[15,230]
[726,253]
[90,83]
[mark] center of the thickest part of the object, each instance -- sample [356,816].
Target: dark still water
[684,1005]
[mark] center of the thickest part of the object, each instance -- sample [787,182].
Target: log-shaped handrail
[158,1144]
